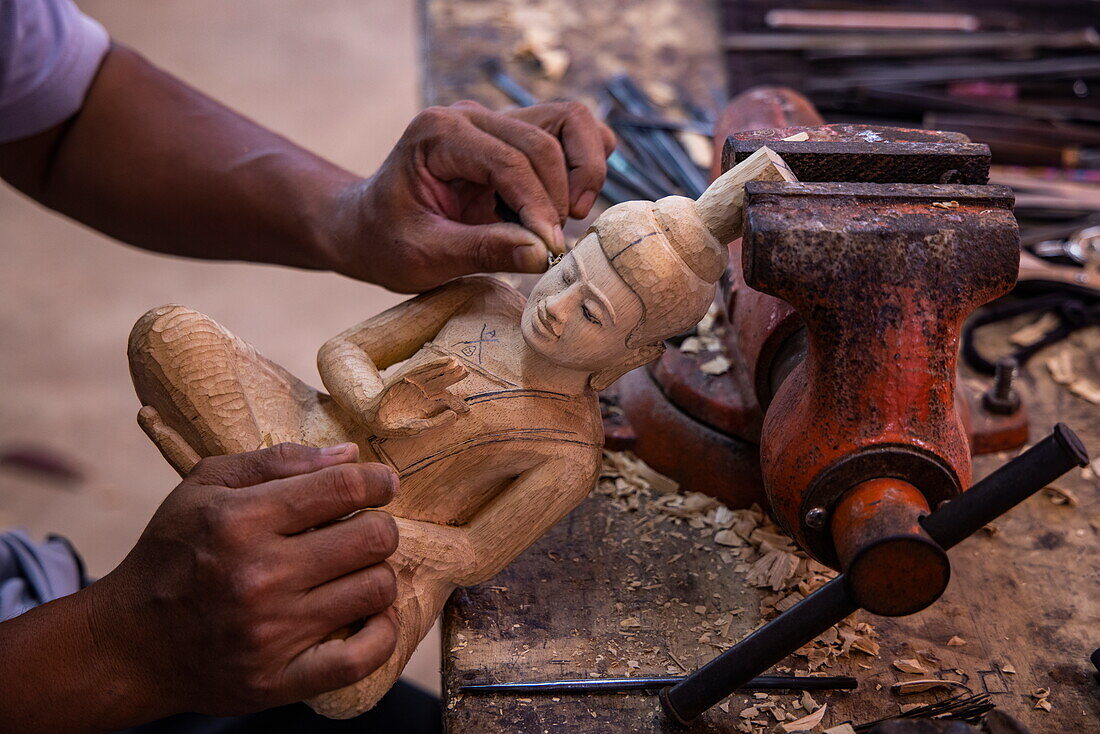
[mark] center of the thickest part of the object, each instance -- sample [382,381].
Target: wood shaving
[1044,704]
[797,137]
[1087,389]
[956,641]
[717,366]
[946,204]
[691,345]
[774,569]
[749,543]
[920,686]
[728,538]
[1034,331]
[806,722]
[911,665]
[1060,367]
[542,42]
[1059,496]
[699,148]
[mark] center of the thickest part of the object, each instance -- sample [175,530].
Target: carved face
[581,312]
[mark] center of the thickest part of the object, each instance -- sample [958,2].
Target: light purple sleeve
[49,54]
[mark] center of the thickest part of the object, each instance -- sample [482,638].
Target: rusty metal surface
[991,432]
[875,162]
[759,325]
[723,402]
[892,565]
[843,131]
[697,456]
[883,276]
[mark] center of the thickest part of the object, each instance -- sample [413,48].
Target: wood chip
[1035,331]
[728,538]
[1008,669]
[956,641]
[1061,367]
[797,137]
[717,366]
[1060,496]
[946,204]
[691,345]
[1044,704]
[910,665]
[842,729]
[630,623]
[920,686]
[1087,389]
[806,722]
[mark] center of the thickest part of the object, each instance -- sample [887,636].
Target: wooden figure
[488,411]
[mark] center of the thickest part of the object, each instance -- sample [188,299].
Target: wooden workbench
[1025,599]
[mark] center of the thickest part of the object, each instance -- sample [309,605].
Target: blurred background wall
[337,76]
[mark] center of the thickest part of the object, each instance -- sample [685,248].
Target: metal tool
[620,685]
[947,526]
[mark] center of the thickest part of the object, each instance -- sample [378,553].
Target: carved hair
[668,258]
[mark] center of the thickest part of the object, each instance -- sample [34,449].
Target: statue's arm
[525,511]
[350,363]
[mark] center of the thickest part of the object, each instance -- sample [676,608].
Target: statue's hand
[418,400]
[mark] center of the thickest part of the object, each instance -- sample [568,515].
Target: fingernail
[559,240]
[585,201]
[340,448]
[529,258]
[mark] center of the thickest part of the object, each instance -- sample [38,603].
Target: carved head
[643,273]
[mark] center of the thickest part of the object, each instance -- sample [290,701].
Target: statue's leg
[206,392]
[428,561]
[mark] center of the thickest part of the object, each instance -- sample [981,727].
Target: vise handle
[949,524]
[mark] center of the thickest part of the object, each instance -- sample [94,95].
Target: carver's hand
[418,400]
[428,216]
[226,603]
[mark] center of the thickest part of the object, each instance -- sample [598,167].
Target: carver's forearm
[155,163]
[62,673]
